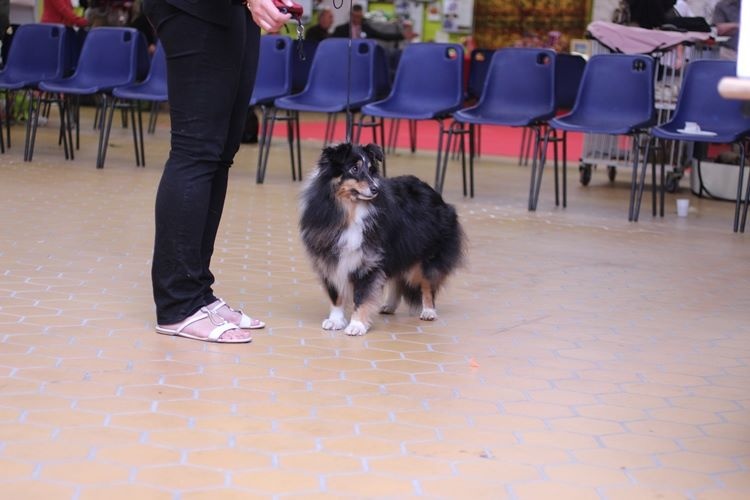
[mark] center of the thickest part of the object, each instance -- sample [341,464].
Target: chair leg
[413,135]
[463,158]
[557,168]
[260,171]
[299,146]
[542,154]
[533,181]
[743,152]
[438,166]
[381,125]
[472,152]
[31,125]
[140,135]
[136,146]
[565,168]
[64,107]
[636,208]
[107,116]
[290,141]
[653,178]
[634,179]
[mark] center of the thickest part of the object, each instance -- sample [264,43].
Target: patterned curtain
[535,23]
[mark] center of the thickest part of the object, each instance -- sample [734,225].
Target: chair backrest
[37,53]
[301,67]
[568,72]
[429,77]
[382,73]
[111,57]
[617,90]
[158,70]
[331,78]
[479,65]
[521,81]
[274,78]
[699,100]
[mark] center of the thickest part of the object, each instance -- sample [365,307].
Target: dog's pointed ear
[374,152]
[338,153]
[334,157]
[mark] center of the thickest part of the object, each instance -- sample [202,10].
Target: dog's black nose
[374,190]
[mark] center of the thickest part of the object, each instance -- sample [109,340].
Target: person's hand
[266,15]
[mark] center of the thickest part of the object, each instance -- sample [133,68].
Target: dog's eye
[354,169]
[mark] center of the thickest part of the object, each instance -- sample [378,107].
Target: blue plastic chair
[616,97]
[699,101]
[301,66]
[428,86]
[519,91]
[110,57]
[333,86]
[38,52]
[274,80]
[152,89]
[479,67]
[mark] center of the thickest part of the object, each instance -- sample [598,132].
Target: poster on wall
[458,16]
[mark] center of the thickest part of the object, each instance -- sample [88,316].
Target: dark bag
[250,133]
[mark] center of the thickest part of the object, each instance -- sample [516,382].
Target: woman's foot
[235,316]
[206,326]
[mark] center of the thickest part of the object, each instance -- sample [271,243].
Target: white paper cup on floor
[683,206]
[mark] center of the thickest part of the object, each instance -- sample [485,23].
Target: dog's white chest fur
[351,250]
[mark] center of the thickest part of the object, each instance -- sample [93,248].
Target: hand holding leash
[267,15]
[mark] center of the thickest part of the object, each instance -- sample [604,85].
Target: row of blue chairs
[615,97]
[110,63]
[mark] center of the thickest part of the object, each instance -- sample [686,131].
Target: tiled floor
[576,356]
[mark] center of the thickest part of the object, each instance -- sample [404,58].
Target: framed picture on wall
[458,16]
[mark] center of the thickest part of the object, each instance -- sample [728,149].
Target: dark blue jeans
[210,73]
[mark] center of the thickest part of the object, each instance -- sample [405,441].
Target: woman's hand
[267,16]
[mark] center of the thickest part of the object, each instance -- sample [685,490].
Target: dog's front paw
[428,314]
[356,328]
[334,323]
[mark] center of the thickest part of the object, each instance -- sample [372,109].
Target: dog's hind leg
[392,296]
[336,319]
[428,301]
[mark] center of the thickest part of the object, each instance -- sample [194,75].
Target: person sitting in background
[360,28]
[726,18]
[61,11]
[321,31]
[650,14]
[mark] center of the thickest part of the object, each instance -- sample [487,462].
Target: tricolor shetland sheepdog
[364,232]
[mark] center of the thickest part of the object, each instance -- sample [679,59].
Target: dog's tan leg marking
[392,297]
[428,302]
[361,322]
[415,277]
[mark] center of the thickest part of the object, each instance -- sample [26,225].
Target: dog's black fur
[362,230]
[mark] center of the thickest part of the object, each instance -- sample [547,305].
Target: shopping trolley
[615,151]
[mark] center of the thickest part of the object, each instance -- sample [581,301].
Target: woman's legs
[207,72]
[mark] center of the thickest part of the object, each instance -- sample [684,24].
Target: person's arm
[64,11]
